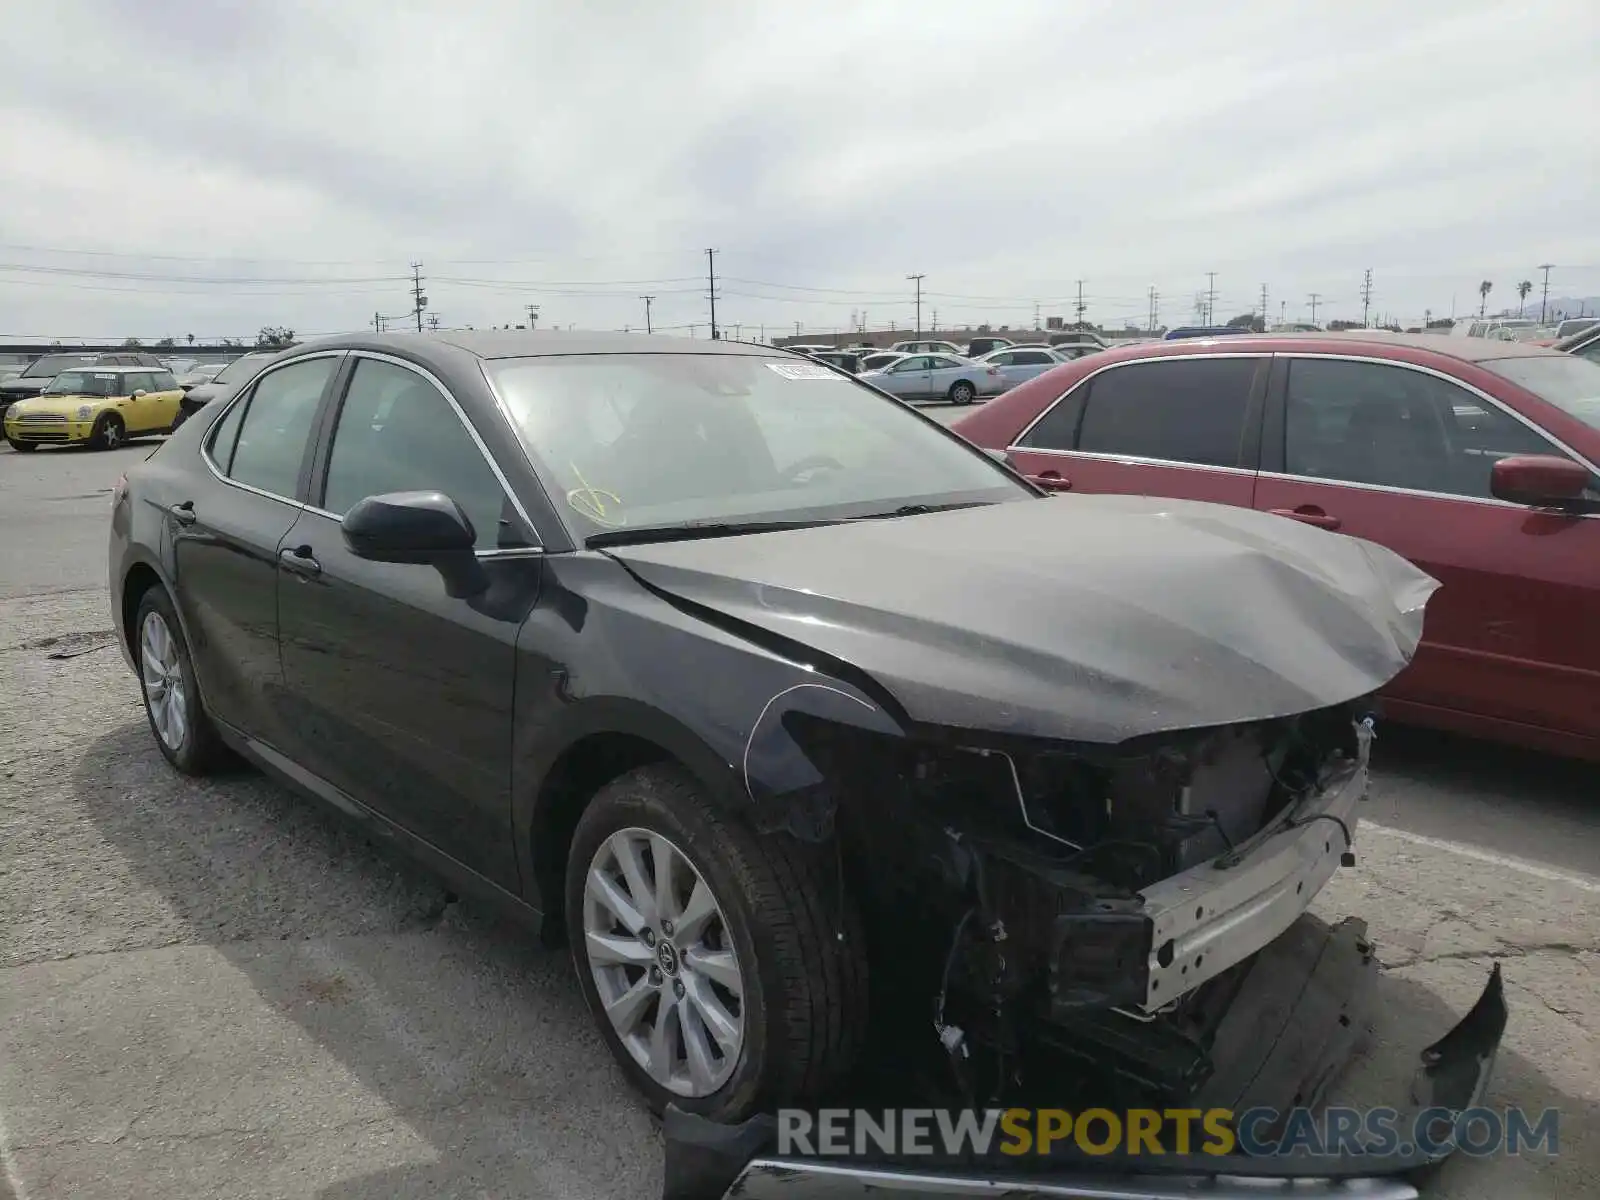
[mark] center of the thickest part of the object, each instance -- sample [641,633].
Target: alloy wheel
[162,674]
[662,958]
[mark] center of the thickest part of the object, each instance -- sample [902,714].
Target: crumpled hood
[1095,618]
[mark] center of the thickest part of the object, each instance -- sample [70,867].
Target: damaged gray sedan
[838,752]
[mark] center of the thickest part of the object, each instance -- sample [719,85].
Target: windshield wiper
[691,531]
[917,510]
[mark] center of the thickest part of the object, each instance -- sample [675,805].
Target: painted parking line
[1584,883]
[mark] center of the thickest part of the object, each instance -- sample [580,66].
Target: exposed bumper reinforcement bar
[707,1161]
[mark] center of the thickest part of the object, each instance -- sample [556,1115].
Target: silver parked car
[937,377]
[1018,364]
[878,360]
[928,347]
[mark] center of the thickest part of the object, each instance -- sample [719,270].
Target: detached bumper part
[1288,1033]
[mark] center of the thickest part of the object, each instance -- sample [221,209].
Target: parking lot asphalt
[214,988]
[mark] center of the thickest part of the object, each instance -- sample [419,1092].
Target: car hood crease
[1090,618]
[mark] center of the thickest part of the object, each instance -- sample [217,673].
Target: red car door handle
[1310,514]
[1051,481]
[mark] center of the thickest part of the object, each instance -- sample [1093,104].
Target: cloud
[578,156]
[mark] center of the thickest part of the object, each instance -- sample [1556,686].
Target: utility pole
[1544,296]
[533,315]
[377,322]
[1263,308]
[918,280]
[1427,319]
[1036,314]
[1315,297]
[1154,295]
[796,327]
[1211,297]
[1079,306]
[711,276]
[1283,312]
[935,326]
[420,301]
[648,300]
[433,322]
[736,329]
[1366,297]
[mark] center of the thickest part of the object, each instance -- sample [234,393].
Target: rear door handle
[1051,481]
[1308,514]
[300,560]
[183,513]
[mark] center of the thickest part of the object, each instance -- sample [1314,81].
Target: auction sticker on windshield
[802,371]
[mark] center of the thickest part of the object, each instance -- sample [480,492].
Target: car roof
[525,343]
[1348,341]
[108,368]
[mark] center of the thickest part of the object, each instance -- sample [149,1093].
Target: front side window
[632,440]
[920,363]
[1189,411]
[240,369]
[397,433]
[277,426]
[1390,426]
[139,381]
[1571,382]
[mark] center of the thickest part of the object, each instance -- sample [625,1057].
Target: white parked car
[928,347]
[1018,364]
[937,377]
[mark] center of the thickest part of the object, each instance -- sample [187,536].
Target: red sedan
[1476,459]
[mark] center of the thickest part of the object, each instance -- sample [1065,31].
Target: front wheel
[725,969]
[962,392]
[22,447]
[109,432]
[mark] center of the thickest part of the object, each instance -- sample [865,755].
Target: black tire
[201,750]
[797,937]
[962,392]
[177,422]
[23,447]
[109,432]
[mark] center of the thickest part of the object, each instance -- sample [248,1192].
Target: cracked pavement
[213,988]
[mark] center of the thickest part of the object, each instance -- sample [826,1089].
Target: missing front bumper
[1287,1034]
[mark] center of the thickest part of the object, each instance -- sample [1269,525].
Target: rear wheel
[182,729]
[962,392]
[109,432]
[725,969]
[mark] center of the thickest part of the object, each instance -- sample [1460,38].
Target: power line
[918,279]
[419,301]
[711,275]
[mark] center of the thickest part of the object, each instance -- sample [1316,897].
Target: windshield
[1571,384]
[647,440]
[86,383]
[51,365]
[240,369]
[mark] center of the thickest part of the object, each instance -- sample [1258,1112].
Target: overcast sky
[579,155]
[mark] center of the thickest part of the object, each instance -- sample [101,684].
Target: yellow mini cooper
[99,406]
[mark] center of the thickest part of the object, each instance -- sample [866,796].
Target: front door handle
[300,560]
[1051,481]
[1308,514]
[183,513]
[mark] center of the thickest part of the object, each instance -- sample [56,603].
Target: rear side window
[1030,358]
[165,382]
[277,426]
[1192,411]
[224,435]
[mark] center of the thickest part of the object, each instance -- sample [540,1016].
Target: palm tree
[1484,289]
[1523,289]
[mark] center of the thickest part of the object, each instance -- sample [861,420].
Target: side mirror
[1539,480]
[418,527]
[407,527]
[137,392]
